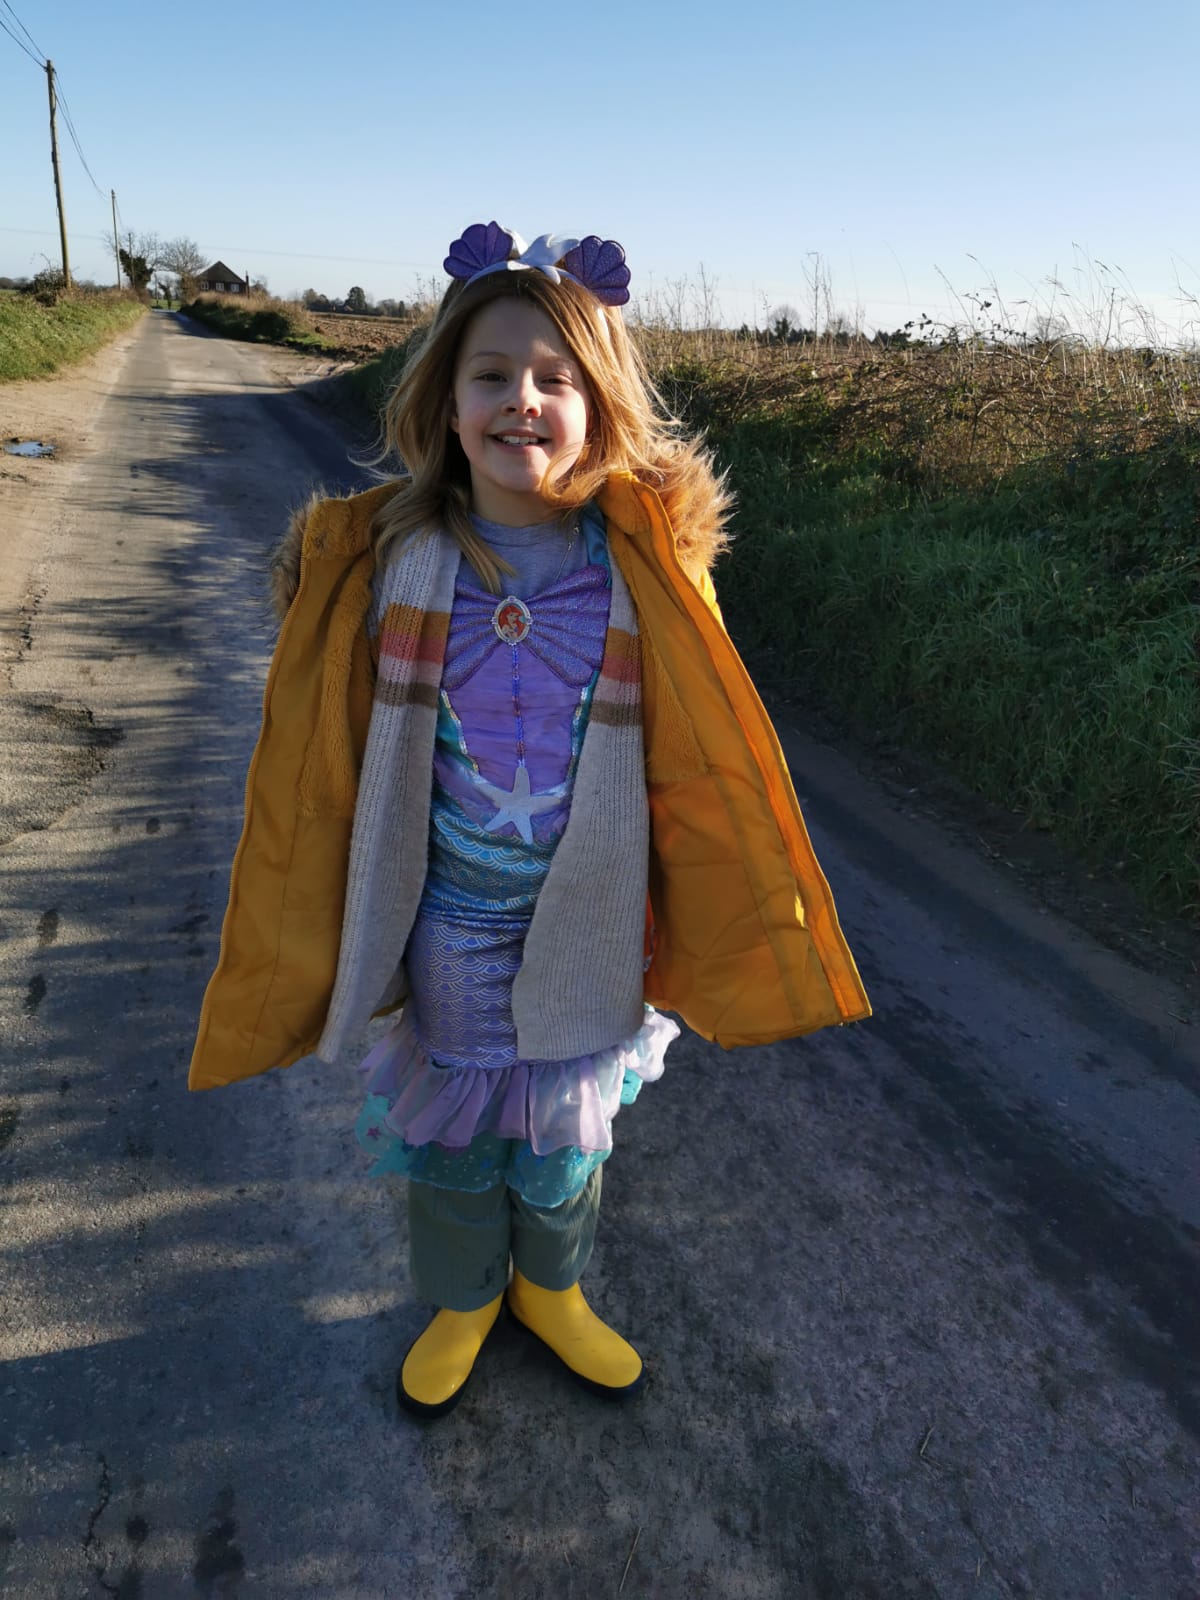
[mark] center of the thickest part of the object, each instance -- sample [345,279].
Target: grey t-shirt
[541,554]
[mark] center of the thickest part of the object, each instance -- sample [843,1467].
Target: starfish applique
[517,805]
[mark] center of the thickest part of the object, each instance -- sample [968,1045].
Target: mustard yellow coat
[745,943]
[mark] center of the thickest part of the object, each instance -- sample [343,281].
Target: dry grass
[949,414]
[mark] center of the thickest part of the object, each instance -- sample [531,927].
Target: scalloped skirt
[541,1127]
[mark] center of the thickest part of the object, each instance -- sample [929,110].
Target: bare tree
[148,245]
[783,326]
[839,329]
[183,257]
[1049,329]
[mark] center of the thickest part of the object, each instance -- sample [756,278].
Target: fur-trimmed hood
[700,539]
[283,568]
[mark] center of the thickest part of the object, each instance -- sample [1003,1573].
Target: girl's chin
[512,469]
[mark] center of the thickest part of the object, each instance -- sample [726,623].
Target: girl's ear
[453,419]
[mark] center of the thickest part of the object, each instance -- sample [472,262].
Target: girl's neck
[559,522]
[518,516]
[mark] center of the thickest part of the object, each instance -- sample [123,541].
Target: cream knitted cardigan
[579,988]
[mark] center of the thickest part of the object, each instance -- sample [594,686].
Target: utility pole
[62,221]
[116,246]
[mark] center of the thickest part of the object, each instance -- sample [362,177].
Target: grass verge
[36,339]
[368,384]
[1035,633]
[258,321]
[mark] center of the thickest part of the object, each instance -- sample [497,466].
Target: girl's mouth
[520,440]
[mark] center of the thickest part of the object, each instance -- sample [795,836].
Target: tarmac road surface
[917,1297]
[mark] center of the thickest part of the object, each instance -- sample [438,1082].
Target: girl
[514,784]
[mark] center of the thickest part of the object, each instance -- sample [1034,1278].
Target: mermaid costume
[449,1101]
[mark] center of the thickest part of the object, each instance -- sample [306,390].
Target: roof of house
[220,271]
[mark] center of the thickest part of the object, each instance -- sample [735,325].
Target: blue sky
[914,153]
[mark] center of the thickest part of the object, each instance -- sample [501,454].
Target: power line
[46,233]
[254,250]
[20,43]
[306,255]
[60,96]
[66,111]
[24,30]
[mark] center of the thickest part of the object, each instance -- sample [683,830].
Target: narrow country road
[918,1297]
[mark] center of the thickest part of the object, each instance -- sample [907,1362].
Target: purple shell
[599,264]
[482,245]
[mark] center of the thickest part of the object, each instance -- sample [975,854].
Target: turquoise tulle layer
[542,1180]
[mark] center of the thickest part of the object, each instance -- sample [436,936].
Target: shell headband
[598,264]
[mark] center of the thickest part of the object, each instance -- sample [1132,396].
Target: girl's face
[519,400]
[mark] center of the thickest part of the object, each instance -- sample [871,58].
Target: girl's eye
[491,376]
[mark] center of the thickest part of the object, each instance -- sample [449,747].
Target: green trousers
[460,1243]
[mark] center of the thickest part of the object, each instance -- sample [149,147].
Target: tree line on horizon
[357,301]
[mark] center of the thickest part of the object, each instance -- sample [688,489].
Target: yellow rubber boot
[438,1364]
[594,1354]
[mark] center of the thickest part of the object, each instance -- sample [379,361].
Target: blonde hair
[629,429]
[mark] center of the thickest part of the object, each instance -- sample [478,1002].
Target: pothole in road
[50,754]
[28,447]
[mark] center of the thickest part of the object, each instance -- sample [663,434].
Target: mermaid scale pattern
[448,1099]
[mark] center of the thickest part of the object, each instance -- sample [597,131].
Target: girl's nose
[524,395]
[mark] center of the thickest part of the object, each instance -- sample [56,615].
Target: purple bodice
[554,670]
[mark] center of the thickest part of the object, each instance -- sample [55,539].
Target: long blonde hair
[629,429]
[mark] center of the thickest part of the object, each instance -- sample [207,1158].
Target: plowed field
[360,337]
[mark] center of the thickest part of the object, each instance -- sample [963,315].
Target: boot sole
[418,1408]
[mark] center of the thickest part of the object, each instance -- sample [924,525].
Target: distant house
[220,279]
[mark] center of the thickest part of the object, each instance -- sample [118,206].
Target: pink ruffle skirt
[550,1104]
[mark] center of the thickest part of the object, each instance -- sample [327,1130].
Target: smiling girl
[515,788]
